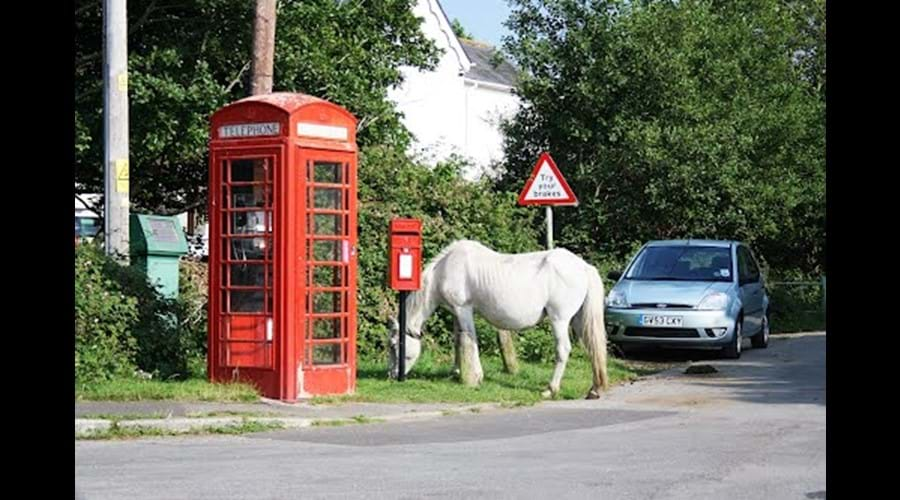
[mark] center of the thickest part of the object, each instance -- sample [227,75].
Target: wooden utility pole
[263,48]
[115,128]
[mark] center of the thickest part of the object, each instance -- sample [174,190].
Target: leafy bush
[192,313]
[665,131]
[795,307]
[104,317]
[122,322]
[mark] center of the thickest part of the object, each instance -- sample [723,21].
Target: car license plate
[670,321]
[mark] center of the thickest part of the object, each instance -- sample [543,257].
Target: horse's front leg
[563,348]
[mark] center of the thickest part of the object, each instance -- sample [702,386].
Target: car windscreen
[87,226]
[682,263]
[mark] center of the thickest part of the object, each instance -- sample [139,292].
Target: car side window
[741,266]
[752,268]
[747,269]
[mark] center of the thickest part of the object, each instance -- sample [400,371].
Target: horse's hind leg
[469,361]
[563,348]
[456,345]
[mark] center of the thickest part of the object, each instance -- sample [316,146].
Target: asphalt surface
[755,429]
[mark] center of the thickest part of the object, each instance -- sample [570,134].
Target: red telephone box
[282,246]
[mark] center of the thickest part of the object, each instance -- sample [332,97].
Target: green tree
[459,30]
[677,119]
[188,58]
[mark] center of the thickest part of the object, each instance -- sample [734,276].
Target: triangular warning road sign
[546,186]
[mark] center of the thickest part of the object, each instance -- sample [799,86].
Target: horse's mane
[417,298]
[437,258]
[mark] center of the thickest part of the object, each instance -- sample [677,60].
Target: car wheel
[733,349]
[761,339]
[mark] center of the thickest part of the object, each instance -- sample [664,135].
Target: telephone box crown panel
[309,120]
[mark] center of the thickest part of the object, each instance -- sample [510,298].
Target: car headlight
[616,299]
[714,301]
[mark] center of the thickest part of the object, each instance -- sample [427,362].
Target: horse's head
[413,350]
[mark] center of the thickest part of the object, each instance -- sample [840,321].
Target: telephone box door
[243,218]
[328,348]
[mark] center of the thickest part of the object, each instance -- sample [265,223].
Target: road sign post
[546,186]
[548,215]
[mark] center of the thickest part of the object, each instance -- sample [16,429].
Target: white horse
[512,292]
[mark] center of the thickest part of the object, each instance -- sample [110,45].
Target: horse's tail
[594,329]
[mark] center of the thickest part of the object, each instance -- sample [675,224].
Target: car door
[750,281]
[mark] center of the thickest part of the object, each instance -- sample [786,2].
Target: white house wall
[433,108]
[485,109]
[445,112]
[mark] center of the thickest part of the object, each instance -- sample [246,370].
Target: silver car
[689,294]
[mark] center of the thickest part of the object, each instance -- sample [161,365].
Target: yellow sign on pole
[122,175]
[123,81]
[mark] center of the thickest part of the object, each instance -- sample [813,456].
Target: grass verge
[432,381]
[186,390]
[116,431]
[359,419]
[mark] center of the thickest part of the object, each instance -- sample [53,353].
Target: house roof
[443,23]
[484,68]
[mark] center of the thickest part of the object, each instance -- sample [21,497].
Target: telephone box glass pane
[249,196]
[329,173]
[247,275]
[327,224]
[327,302]
[248,170]
[247,300]
[327,328]
[326,250]
[255,222]
[326,276]
[250,248]
[329,354]
[330,198]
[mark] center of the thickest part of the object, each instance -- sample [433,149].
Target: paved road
[755,429]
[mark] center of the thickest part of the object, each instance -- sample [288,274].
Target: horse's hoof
[593,395]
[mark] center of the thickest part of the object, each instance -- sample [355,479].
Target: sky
[482,18]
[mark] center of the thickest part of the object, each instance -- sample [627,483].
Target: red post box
[404,272]
[405,265]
